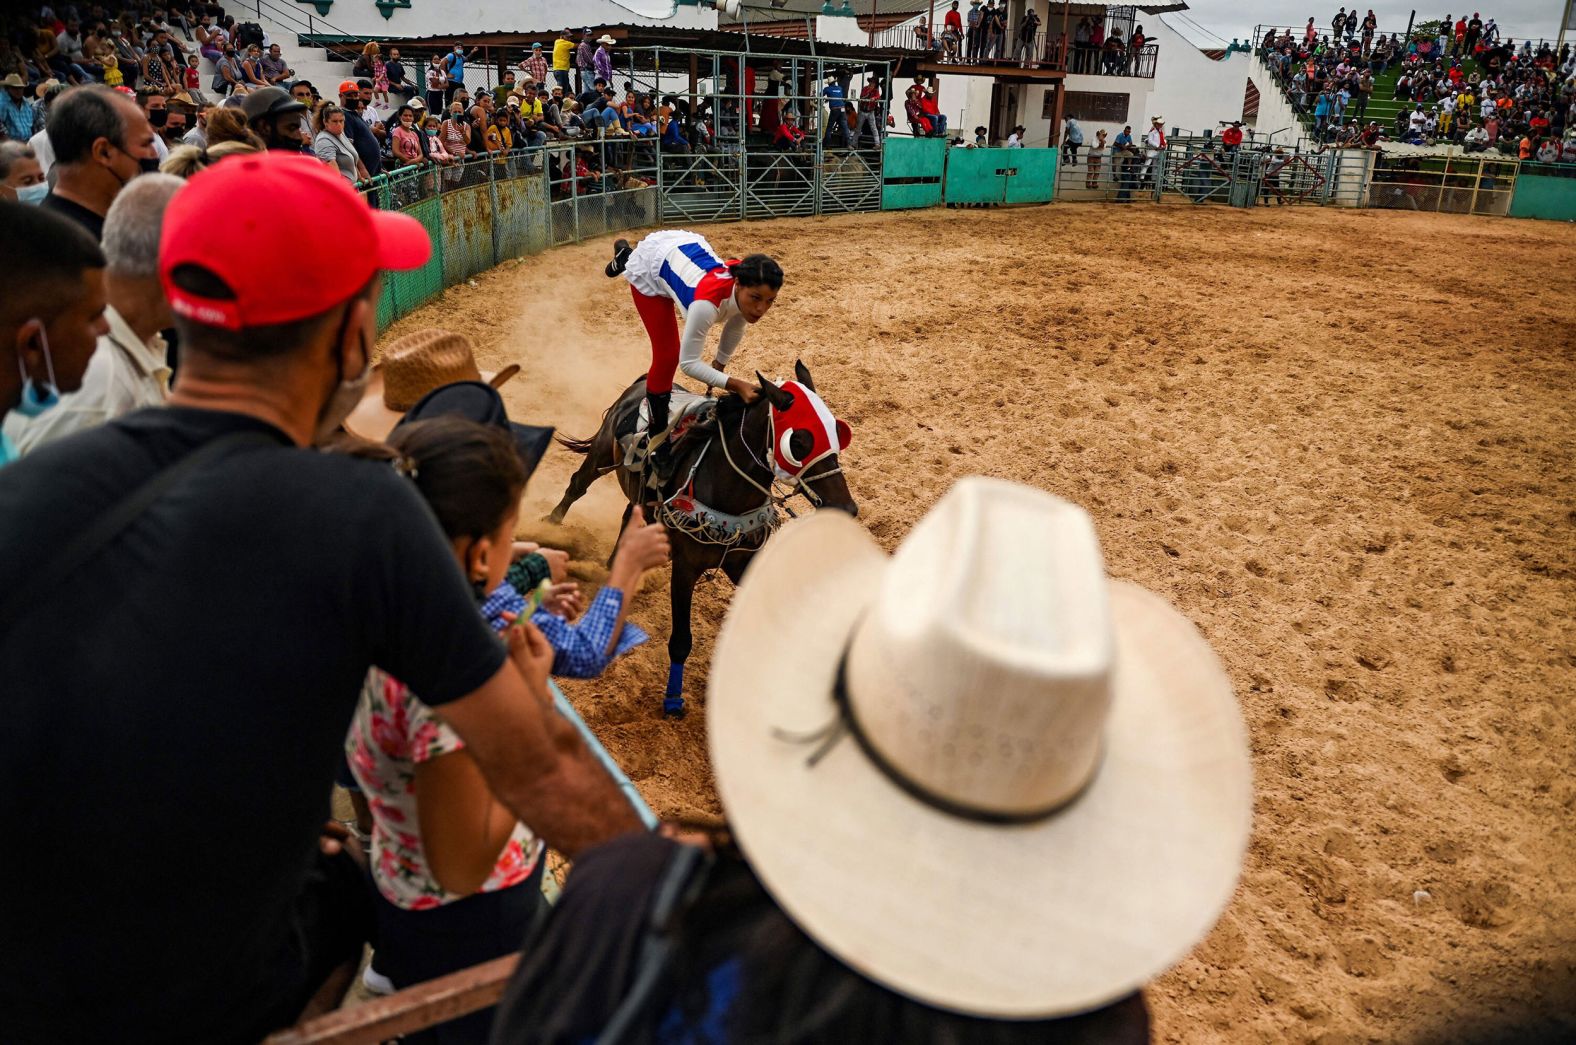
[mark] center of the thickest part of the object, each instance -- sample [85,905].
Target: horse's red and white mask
[808,415]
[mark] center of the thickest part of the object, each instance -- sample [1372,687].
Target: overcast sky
[1234,18]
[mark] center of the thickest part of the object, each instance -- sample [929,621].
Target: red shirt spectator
[954,20]
[788,134]
[1231,137]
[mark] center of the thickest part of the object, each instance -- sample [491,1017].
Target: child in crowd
[113,77]
[192,78]
[458,879]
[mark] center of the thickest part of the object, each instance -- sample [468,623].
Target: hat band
[848,723]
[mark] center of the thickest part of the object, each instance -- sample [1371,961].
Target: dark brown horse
[718,503]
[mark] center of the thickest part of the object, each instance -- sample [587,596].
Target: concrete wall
[1275,112]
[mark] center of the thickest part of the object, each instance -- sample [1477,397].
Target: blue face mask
[36,400]
[33,193]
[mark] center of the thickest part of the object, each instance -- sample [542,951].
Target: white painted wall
[442,18]
[838,29]
[1275,112]
[1190,89]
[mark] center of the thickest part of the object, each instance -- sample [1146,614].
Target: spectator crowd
[1459,81]
[389,115]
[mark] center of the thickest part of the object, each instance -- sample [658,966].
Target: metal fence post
[492,201]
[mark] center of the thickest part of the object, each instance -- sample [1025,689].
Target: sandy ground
[1339,441]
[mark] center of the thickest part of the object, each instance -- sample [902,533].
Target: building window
[1089,106]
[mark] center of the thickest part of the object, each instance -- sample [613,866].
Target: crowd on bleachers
[388,115]
[1461,80]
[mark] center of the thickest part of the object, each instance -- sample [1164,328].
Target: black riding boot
[660,459]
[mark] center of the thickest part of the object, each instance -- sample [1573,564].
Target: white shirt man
[1486,106]
[125,374]
[1418,120]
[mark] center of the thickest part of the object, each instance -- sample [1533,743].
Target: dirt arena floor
[1341,442]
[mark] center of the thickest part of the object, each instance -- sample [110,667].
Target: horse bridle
[798,485]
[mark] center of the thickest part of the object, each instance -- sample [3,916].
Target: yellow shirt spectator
[531,110]
[563,50]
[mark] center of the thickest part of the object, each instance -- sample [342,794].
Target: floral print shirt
[394,732]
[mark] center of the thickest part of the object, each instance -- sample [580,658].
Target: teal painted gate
[912,172]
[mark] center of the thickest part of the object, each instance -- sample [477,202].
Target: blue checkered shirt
[579,649]
[17,118]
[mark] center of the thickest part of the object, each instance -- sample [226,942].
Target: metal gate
[1202,171]
[701,187]
[1453,185]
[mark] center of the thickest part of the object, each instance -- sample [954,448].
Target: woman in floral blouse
[458,877]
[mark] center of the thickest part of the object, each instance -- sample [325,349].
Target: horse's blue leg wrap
[673,698]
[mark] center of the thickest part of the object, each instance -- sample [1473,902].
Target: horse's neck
[718,484]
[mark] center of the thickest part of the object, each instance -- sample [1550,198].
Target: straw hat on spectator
[13,80]
[606,39]
[978,771]
[44,87]
[410,368]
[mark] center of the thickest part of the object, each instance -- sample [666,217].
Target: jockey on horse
[677,267]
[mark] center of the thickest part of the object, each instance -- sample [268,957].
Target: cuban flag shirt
[682,266]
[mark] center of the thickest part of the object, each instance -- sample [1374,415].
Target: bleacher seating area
[1468,86]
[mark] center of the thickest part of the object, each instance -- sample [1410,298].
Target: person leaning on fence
[1098,765]
[1094,161]
[334,148]
[405,139]
[1072,141]
[343,569]
[457,879]
[358,131]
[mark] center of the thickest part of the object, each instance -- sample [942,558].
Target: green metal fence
[1545,190]
[912,172]
[491,208]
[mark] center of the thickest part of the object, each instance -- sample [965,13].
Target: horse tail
[585,446]
[578,446]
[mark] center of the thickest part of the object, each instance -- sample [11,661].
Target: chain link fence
[489,208]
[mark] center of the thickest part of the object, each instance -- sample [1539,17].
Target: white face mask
[33,193]
[342,402]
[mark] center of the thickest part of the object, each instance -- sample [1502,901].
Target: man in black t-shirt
[101,140]
[176,700]
[358,130]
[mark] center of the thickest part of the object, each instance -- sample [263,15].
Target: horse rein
[800,484]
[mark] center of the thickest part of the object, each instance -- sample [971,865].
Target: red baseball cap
[295,213]
[348,87]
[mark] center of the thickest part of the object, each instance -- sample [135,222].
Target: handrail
[292,19]
[1324,31]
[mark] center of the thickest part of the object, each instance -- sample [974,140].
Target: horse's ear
[776,396]
[802,372]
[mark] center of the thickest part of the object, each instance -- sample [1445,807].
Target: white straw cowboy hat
[606,39]
[1034,794]
[410,368]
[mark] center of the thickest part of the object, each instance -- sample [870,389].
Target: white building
[1194,90]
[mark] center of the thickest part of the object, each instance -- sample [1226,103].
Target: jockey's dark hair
[470,474]
[756,270]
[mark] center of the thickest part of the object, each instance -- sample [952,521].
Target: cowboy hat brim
[1034,921]
[374,419]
